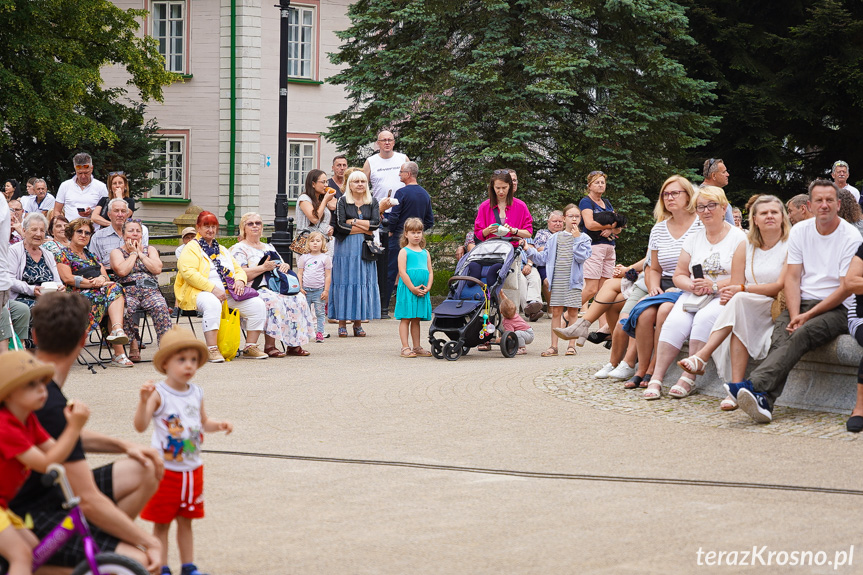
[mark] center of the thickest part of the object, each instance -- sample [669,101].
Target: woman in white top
[712,250]
[757,276]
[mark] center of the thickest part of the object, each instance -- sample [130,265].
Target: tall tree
[789,89]
[52,100]
[554,89]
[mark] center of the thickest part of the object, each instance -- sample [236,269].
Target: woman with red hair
[207,275]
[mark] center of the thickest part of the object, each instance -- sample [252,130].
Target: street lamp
[281,239]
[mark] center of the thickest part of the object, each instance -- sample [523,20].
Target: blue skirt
[354,293]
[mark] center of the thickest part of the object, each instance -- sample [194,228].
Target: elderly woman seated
[31,263]
[136,267]
[56,240]
[82,272]
[207,275]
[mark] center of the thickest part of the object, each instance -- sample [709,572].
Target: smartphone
[82,210]
[697,271]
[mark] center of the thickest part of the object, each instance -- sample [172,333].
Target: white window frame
[299,164]
[296,56]
[158,191]
[168,53]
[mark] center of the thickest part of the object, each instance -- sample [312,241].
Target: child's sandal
[408,352]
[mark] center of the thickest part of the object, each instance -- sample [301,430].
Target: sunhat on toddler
[175,340]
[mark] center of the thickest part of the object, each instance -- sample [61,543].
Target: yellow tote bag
[229,332]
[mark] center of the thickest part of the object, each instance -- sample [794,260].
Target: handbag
[248,293]
[693,302]
[228,339]
[283,283]
[89,272]
[300,245]
[371,251]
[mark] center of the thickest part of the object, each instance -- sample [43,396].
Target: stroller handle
[454,279]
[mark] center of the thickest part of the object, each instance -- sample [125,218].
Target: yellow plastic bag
[229,332]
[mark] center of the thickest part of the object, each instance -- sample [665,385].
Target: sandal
[677,391]
[420,352]
[274,352]
[484,347]
[693,364]
[359,332]
[570,350]
[343,332]
[117,337]
[550,352]
[634,382]
[298,351]
[653,392]
[121,361]
[134,353]
[728,404]
[408,352]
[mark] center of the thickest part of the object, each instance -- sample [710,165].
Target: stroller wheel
[508,344]
[452,350]
[437,348]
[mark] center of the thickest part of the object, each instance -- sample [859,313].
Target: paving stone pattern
[577,384]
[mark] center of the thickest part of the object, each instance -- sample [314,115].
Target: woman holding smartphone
[704,267]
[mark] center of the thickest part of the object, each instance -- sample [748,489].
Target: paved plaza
[354,460]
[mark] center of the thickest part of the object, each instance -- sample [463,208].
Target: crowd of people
[79,264]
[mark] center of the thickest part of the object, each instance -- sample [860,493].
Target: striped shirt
[667,247]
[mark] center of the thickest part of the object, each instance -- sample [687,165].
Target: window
[301,28]
[169,30]
[301,159]
[172,174]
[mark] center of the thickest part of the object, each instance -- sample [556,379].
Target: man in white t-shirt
[382,170]
[77,196]
[819,253]
[40,200]
[840,175]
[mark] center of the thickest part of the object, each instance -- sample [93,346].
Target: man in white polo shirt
[77,196]
[382,170]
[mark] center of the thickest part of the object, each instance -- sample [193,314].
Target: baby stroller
[469,315]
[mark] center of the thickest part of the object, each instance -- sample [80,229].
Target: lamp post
[281,239]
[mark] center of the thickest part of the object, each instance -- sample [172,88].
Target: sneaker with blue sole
[733,388]
[755,405]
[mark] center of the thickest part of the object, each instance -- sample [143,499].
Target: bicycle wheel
[111,564]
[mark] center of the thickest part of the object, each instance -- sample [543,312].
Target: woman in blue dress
[354,295]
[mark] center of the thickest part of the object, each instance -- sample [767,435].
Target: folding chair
[188,313]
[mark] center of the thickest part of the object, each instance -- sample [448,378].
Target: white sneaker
[622,371]
[603,373]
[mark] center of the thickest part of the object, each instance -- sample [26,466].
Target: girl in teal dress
[415,281]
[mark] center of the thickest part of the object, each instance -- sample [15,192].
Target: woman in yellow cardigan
[207,275]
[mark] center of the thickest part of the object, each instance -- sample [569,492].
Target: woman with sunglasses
[83,273]
[289,319]
[118,187]
[703,268]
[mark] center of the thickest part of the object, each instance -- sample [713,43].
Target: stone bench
[825,379]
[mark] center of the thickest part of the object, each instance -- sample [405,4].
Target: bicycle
[96,563]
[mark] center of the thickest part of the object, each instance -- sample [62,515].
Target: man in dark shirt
[413,202]
[111,496]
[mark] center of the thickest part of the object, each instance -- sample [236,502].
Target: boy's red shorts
[180,494]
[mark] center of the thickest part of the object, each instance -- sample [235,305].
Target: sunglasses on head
[116,174]
[501,172]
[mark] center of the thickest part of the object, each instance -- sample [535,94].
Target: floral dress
[35,274]
[289,318]
[149,299]
[53,247]
[100,298]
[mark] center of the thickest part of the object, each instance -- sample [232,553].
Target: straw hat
[18,368]
[175,340]
[189,230]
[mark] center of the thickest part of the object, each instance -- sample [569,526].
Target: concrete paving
[382,457]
